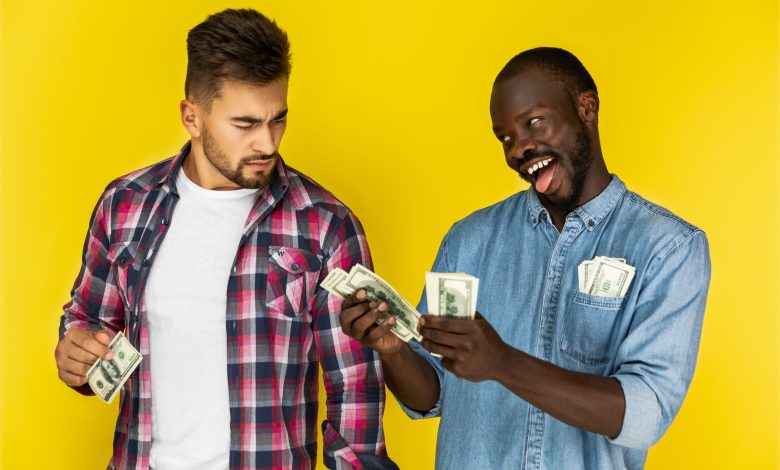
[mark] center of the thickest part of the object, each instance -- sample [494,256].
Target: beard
[221,162]
[579,158]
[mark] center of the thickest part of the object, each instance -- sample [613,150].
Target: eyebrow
[254,120]
[521,116]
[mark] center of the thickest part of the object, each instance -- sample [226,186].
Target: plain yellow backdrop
[389,110]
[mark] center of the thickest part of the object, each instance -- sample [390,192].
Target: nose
[263,142]
[521,148]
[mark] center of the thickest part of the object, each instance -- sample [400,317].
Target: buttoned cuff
[642,417]
[435,362]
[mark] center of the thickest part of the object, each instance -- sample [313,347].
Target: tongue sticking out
[545,176]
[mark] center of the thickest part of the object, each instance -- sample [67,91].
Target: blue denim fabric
[647,340]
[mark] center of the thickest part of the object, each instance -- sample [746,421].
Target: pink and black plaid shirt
[280,323]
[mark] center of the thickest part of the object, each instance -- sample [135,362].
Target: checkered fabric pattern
[281,326]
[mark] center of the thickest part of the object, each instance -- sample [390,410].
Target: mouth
[261,165]
[540,171]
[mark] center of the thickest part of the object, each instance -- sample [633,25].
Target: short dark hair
[239,45]
[562,64]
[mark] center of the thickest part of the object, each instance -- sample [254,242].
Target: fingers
[379,331]
[96,347]
[80,355]
[86,340]
[451,325]
[440,349]
[356,298]
[75,368]
[77,351]
[72,380]
[350,315]
[363,325]
[442,337]
[104,337]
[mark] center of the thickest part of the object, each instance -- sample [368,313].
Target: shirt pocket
[122,256]
[589,327]
[292,280]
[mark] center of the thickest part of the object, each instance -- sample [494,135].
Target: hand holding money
[77,351]
[342,284]
[470,349]
[360,320]
[106,376]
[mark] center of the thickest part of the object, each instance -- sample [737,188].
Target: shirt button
[165,221]
[590,224]
[235,269]
[146,263]
[122,259]
[295,267]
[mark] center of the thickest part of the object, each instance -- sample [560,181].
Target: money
[342,284]
[106,378]
[451,294]
[605,277]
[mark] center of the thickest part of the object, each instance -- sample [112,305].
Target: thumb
[104,336]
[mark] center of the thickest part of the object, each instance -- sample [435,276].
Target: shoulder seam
[671,247]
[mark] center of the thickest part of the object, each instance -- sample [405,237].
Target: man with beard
[210,262]
[548,375]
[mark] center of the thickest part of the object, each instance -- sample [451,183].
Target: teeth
[538,165]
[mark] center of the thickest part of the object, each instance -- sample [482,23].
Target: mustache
[256,158]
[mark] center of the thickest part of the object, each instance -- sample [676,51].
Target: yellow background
[389,110]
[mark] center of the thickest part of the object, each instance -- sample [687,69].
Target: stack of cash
[605,277]
[106,378]
[451,294]
[342,284]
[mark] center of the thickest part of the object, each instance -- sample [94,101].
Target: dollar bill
[605,277]
[586,269]
[106,377]
[451,294]
[342,284]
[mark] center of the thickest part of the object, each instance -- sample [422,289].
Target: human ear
[189,117]
[588,106]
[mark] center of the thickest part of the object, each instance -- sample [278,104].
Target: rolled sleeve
[440,264]
[657,359]
[642,416]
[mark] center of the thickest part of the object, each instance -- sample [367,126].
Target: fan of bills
[448,294]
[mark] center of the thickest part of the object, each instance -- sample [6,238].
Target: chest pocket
[122,256]
[292,280]
[589,328]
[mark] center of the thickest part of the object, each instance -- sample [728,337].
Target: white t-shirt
[186,299]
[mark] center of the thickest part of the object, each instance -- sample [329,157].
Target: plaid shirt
[279,323]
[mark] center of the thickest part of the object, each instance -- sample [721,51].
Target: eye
[244,128]
[280,120]
[504,139]
[534,120]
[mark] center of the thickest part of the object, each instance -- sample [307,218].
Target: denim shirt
[647,340]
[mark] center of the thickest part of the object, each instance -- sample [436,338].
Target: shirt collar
[591,213]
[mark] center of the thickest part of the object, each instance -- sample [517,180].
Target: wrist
[507,363]
[393,356]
